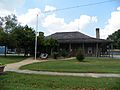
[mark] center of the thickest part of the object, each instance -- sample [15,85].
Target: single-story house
[91,46]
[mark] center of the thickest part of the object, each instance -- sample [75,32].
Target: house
[91,46]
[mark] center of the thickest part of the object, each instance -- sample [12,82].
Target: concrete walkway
[14,67]
[17,65]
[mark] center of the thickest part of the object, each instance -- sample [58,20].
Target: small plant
[80,56]
[55,55]
[2,66]
[64,53]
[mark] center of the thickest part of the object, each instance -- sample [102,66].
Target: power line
[84,5]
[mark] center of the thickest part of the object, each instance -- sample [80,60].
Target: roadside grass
[16,81]
[11,59]
[89,65]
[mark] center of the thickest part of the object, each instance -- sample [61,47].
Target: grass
[11,59]
[15,81]
[93,65]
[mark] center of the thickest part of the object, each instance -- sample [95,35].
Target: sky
[85,18]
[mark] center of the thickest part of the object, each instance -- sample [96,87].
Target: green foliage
[51,42]
[80,56]
[64,53]
[25,37]
[115,37]
[1,64]
[9,22]
[51,45]
[55,55]
[13,35]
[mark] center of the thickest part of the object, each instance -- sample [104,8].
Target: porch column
[83,48]
[69,47]
[96,49]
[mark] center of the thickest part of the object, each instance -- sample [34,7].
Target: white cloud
[113,24]
[49,8]
[11,5]
[51,22]
[8,7]
[54,24]
[118,8]
[30,17]
[4,12]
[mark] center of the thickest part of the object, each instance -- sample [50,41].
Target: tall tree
[8,23]
[41,42]
[25,38]
[115,37]
[2,34]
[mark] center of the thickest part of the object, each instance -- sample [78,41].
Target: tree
[7,24]
[13,35]
[41,43]
[25,37]
[2,34]
[115,37]
[52,44]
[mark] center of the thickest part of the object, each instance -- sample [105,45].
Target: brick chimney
[97,33]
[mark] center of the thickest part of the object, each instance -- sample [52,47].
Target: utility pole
[36,37]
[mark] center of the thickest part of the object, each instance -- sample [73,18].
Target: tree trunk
[5,51]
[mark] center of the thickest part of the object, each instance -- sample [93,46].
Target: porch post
[96,49]
[69,47]
[83,48]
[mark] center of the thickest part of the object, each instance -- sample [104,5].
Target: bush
[80,56]
[64,53]
[55,55]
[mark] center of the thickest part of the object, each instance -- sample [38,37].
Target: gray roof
[75,37]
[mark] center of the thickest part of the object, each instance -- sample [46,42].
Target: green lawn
[15,81]
[11,59]
[93,65]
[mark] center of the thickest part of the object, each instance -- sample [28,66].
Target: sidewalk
[14,67]
[17,65]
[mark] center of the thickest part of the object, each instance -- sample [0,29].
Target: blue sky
[105,16]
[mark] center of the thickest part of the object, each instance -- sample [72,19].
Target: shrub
[80,56]
[64,53]
[1,64]
[55,55]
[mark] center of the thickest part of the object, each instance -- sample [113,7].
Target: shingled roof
[75,37]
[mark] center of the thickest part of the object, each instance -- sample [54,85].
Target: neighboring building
[8,51]
[71,41]
[2,49]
